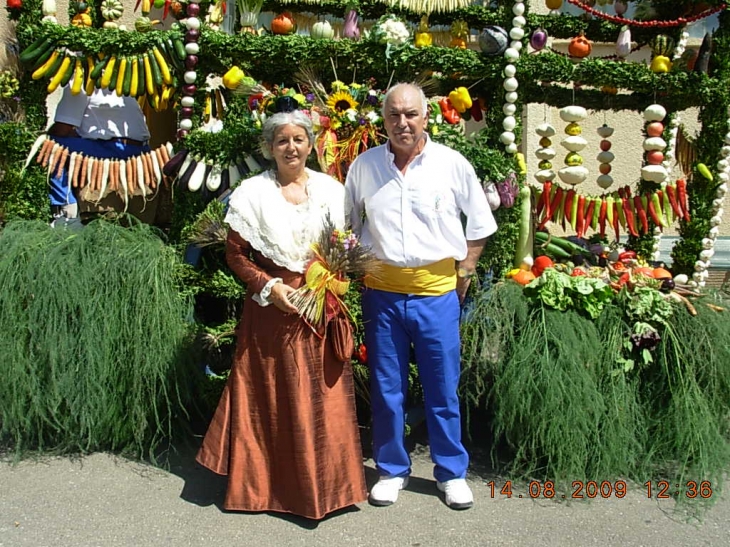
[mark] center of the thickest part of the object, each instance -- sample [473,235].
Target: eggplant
[538,39]
[172,167]
[185,177]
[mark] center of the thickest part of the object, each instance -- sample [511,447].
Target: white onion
[192,48]
[186,123]
[509,123]
[519,21]
[190,76]
[511,148]
[193,23]
[518,8]
[510,84]
[511,97]
[187,101]
[509,109]
[510,70]
[517,34]
[507,137]
[511,54]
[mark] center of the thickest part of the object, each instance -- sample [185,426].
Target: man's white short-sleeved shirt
[414,219]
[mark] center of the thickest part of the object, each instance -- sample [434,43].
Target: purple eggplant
[538,39]
[171,168]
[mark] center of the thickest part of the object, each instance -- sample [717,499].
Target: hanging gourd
[580,46]
[553,4]
[284,23]
[573,173]
[459,34]
[654,144]
[82,17]
[111,10]
[661,46]
[493,40]
[605,157]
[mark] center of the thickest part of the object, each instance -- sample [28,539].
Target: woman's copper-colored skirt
[285,430]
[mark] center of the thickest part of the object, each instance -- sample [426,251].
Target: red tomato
[577,272]
[14,4]
[540,264]
[362,354]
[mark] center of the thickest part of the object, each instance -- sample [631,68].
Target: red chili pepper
[629,214]
[577,271]
[627,191]
[653,212]
[641,213]
[671,192]
[570,196]
[554,206]
[580,216]
[547,187]
[682,198]
[448,111]
[616,220]
[602,218]
[588,215]
[166,9]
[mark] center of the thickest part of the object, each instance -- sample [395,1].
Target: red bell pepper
[641,214]
[448,111]
[629,214]
[682,198]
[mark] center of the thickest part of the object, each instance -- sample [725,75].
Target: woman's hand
[279,297]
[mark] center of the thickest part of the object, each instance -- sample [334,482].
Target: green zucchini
[99,68]
[127,82]
[42,45]
[156,73]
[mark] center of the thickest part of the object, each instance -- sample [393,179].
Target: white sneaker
[457,492]
[385,491]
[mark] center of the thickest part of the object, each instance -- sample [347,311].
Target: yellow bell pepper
[232,78]
[460,99]
[423,38]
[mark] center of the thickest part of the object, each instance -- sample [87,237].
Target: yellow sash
[430,280]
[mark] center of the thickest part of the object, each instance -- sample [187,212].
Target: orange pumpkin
[580,46]
[284,24]
[661,273]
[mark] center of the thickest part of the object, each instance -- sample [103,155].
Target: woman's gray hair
[275,121]
[401,85]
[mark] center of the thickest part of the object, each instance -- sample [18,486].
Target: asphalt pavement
[102,500]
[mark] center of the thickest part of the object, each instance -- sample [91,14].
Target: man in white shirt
[100,125]
[405,199]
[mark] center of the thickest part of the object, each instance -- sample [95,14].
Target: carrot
[44,151]
[149,172]
[95,169]
[113,172]
[77,169]
[81,180]
[61,163]
[164,154]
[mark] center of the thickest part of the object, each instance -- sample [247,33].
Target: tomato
[14,4]
[362,354]
[540,264]
[577,272]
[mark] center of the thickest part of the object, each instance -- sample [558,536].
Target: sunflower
[341,101]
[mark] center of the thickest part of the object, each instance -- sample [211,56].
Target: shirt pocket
[432,203]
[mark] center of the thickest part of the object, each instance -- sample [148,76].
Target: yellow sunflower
[341,101]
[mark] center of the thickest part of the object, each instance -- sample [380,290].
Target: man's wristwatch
[464,272]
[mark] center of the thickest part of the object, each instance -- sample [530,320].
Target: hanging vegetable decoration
[539,38]
[554,6]
[322,30]
[48,8]
[493,40]
[459,34]
[661,46]
[605,157]
[284,23]
[350,29]
[423,37]
[623,42]
[192,50]
[510,83]
[700,274]
[580,46]
[111,11]
[545,153]
[82,17]
[574,172]
[654,145]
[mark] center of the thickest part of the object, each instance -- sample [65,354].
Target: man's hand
[462,287]
[279,297]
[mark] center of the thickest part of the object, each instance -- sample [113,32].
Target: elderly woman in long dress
[285,431]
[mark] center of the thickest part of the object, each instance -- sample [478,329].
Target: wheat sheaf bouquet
[338,255]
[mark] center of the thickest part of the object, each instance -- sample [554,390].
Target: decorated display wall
[643,391]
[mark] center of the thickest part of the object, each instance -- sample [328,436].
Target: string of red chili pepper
[679,21]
